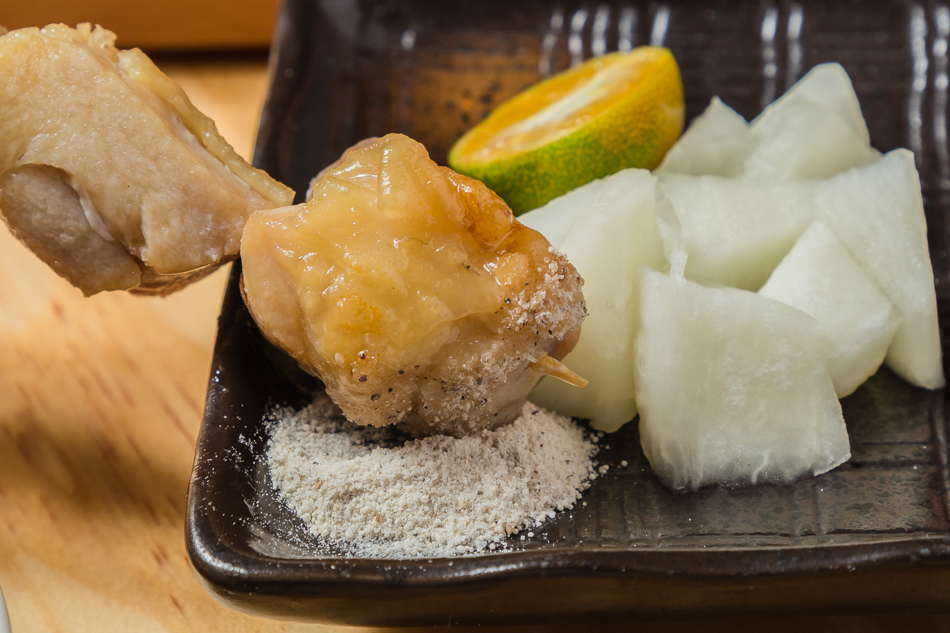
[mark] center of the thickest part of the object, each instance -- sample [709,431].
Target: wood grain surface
[100,403]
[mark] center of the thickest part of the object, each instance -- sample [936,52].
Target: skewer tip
[552,367]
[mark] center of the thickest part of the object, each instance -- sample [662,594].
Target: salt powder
[375,493]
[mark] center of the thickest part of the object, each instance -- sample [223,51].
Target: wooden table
[157,24]
[100,403]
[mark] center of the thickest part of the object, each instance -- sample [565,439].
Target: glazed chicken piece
[107,171]
[412,292]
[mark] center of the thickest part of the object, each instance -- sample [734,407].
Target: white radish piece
[733,388]
[827,86]
[815,130]
[736,232]
[821,278]
[613,234]
[877,212]
[555,219]
[802,141]
[716,144]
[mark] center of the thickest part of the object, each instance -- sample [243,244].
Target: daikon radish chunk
[735,231]
[733,388]
[821,278]
[614,231]
[815,130]
[877,212]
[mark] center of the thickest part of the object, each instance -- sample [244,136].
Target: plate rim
[247,580]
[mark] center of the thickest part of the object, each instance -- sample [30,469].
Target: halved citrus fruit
[616,111]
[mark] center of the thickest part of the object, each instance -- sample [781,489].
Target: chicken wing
[107,171]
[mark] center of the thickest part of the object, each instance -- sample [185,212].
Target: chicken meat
[109,173]
[412,292]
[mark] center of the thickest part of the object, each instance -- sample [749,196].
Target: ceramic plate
[873,534]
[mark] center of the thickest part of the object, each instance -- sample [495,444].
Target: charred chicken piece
[412,292]
[107,171]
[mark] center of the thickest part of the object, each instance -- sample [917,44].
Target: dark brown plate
[873,534]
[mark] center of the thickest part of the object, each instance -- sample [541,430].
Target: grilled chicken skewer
[412,292]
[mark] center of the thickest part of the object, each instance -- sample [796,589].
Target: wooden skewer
[557,369]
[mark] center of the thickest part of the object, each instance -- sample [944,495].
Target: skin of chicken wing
[109,173]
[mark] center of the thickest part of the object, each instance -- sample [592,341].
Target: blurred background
[216,49]
[158,25]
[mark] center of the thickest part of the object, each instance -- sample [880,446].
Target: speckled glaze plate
[872,535]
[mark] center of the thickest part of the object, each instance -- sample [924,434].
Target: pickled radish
[821,278]
[617,216]
[738,388]
[736,232]
[815,130]
[715,144]
[733,388]
[877,212]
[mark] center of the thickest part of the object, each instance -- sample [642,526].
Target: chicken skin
[107,171]
[412,292]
